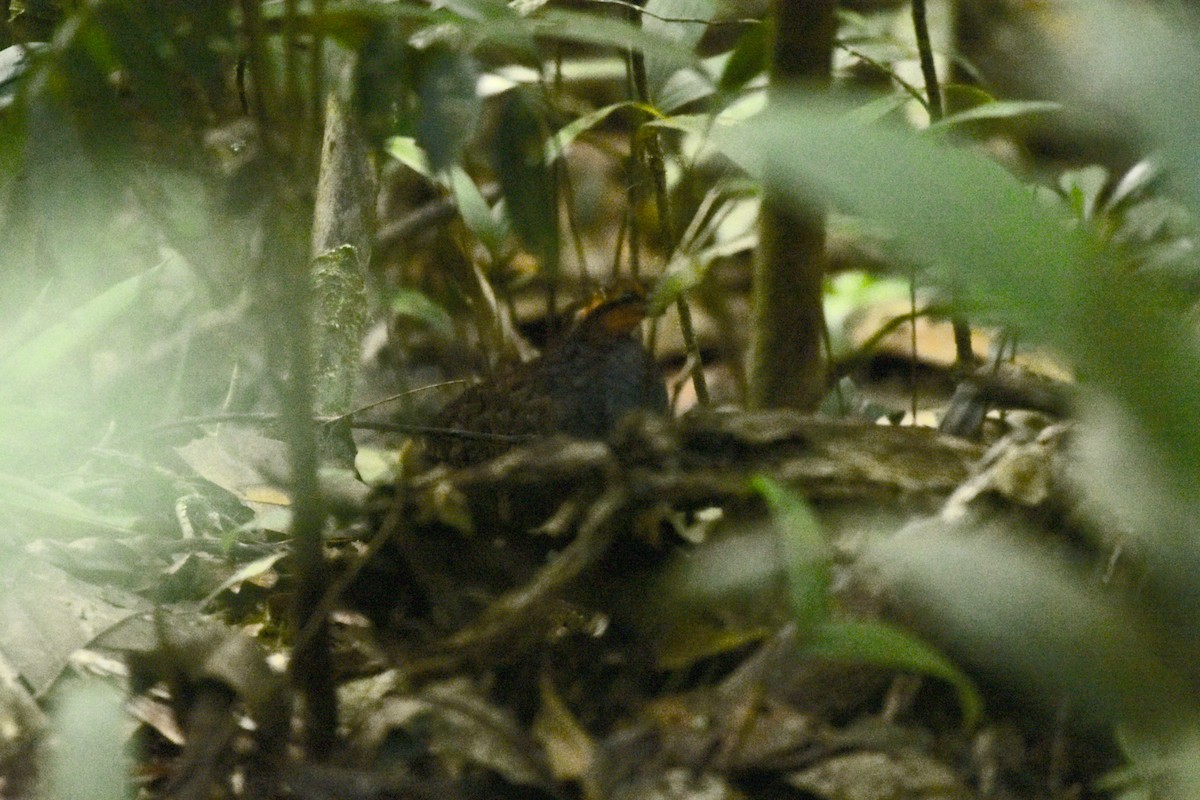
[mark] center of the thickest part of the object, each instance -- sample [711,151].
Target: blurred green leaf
[681,21]
[1083,189]
[885,646]
[89,760]
[1155,75]
[530,190]
[406,150]
[44,352]
[415,304]
[450,108]
[558,144]
[997,109]
[1013,609]
[749,57]
[583,27]
[805,554]
[960,209]
[989,238]
[22,494]
[477,215]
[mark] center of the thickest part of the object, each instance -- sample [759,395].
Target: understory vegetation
[922,521]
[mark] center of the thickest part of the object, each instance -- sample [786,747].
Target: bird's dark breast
[581,387]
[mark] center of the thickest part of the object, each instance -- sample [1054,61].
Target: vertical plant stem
[925,53]
[284,291]
[963,352]
[912,330]
[786,362]
[311,663]
[652,148]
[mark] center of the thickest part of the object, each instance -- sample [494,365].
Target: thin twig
[963,351]
[909,89]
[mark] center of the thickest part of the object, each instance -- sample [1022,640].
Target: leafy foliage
[157,167]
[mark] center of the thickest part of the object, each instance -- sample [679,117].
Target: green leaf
[22,494]
[90,761]
[579,26]
[44,352]
[450,108]
[961,212]
[991,239]
[530,190]
[803,550]
[1015,609]
[1084,189]
[749,57]
[558,144]
[406,150]
[999,109]
[476,214]
[885,646]
[415,304]
[663,17]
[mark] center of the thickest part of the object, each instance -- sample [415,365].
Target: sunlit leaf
[477,215]
[558,144]
[406,150]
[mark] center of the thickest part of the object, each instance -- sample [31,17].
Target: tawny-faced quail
[581,386]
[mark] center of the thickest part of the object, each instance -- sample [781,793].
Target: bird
[581,385]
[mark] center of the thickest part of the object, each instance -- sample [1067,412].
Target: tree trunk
[787,362]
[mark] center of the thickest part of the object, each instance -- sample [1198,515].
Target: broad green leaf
[681,21]
[684,87]
[959,210]
[579,26]
[450,108]
[806,556]
[883,645]
[749,57]
[43,353]
[530,190]
[989,238]
[1017,610]
[1155,76]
